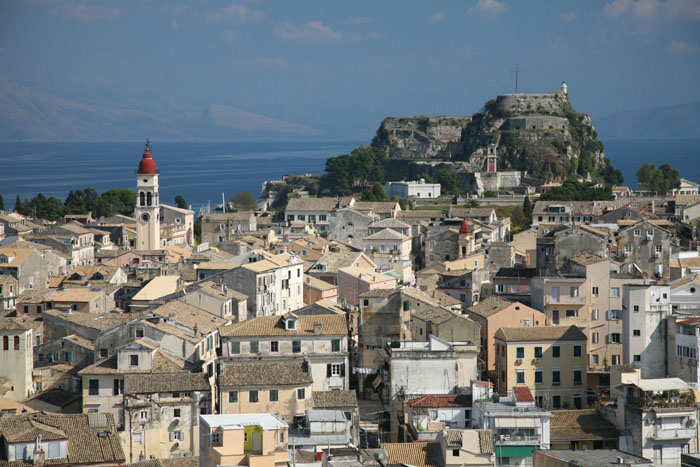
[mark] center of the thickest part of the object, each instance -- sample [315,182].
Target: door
[658,453]
[555,316]
[256,441]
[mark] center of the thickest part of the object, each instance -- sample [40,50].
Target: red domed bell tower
[147,204]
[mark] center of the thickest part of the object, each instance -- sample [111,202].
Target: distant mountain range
[28,114]
[675,121]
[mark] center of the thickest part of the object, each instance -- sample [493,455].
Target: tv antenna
[517,71]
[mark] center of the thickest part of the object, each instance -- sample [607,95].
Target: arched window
[149,198]
[143,198]
[16,342]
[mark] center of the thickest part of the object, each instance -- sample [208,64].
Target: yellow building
[550,360]
[256,440]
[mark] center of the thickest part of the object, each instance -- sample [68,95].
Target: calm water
[202,171]
[198,171]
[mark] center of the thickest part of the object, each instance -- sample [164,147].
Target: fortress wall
[536,122]
[546,103]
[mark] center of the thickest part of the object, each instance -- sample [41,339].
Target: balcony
[673,433]
[516,439]
[566,300]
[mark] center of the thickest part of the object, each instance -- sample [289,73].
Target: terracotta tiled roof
[177,382]
[161,364]
[485,441]
[414,454]
[293,373]
[454,440]
[442,401]
[434,314]
[522,394]
[490,306]
[11,324]
[575,425]
[331,324]
[85,444]
[331,399]
[541,333]
[311,204]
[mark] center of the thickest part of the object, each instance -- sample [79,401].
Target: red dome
[147,166]
[464,229]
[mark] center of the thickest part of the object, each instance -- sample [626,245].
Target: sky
[333,63]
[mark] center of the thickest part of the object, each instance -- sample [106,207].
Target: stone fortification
[533,103]
[420,137]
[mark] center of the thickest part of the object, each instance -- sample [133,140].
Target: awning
[515,451]
[516,422]
[676,414]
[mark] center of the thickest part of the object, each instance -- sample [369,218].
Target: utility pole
[517,71]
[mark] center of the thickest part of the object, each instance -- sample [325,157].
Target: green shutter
[328,370]
[342,369]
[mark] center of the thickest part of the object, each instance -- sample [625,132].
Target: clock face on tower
[145,217]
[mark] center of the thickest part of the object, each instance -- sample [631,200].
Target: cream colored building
[256,440]
[162,414]
[280,388]
[16,359]
[549,360]
[321,340]
[462,448]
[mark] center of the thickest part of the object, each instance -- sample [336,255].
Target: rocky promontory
[420,137]
[540,134]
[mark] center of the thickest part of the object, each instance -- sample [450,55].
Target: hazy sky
[355,61]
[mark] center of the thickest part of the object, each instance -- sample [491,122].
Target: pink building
[355,281]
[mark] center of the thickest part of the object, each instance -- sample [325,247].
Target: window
[54,450]
[134,360]
[253,396]
[628,250]
[301,394]
[658,249]
[5,343]
[635,308]
[636,333]
[573,291]
[615,359]
[520,376]
[614,338]
[232,397]
[577,350]
[520,352]
[216,439]
[118,387]
[637,358]
[513,288]
[538,376]
[455,452]
[144,415]
[94,387]
[500,288]
[274,346]
[235,347]
[571,313]
[594,291]
[595,314]
[103,353]
[594,359]
[138,437]
[578,401]
[274,395]
[365,302]
[68,356]
[595,337]
[556,377]
[637,232]
[176,413]
[296,346]
[556,350]
[577,376]
[335,345]
[614,315]
[335,369]
[282,437]
[139,332]
[538,352]
[16,340]
[556,402]
[254,347]
[177,436]
[615,292]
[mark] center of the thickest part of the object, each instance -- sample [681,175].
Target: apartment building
[549,360]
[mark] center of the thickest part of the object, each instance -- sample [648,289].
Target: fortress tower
[147,206]
[564,87]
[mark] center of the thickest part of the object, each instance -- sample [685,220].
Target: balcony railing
[673,433]
[567,300]
[516,439]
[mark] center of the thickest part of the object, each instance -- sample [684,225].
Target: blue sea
[201,172]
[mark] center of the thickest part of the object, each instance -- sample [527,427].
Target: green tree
[244,201]
[354,172]
[573,190]
[659,180]
[426,177]
[451,183]
[2,204]
[527,207]
[18,205]
[374,193]
[117,200]
[610,174]
[472,203]
[180,202]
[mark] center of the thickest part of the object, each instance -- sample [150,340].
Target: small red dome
[147,166]
[464,229]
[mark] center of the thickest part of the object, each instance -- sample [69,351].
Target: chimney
[318,327]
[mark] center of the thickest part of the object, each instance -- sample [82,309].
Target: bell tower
[147,205]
